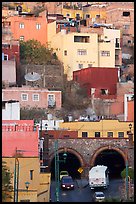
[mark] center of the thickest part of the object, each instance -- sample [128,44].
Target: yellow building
[80,50]
[72,13]
[100,129]
[29,171]
[97,13]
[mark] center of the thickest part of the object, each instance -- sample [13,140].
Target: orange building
[28,27]
[130,116]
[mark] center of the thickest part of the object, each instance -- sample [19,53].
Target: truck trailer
[99,176]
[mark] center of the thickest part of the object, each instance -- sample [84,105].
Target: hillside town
[67,83]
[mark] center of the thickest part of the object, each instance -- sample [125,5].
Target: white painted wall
[11,111]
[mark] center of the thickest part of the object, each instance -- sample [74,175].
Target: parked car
[98,197]
[67,182]
[63,173]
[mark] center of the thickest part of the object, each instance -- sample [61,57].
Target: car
[99,197]
[63,173]
[67,182]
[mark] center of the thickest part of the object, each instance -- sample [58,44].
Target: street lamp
[27,185]
[57,161]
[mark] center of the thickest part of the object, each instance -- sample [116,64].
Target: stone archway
[101,149]
[69,150]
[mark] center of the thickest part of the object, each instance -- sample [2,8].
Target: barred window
[105,53]
[110,134]
[35,97]
[22,38]
[24,97]
[97,134]
[82,52]
[80,66]
[84,134]
[120,134]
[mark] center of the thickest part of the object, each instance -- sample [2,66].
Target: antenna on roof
[33,76]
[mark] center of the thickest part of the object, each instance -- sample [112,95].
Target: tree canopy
[33,52]
[6,182]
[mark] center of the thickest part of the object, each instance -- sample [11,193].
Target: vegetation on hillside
[33,52]
[6,182]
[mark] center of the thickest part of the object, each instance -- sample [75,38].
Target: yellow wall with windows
[35,187]
[94,13]
[102,126]
[72,13]
[62,42]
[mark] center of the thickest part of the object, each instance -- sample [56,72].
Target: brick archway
[101,149]
[68,150]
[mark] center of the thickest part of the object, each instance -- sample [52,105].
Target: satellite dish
[33,76]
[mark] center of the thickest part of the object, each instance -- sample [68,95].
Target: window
[38,26]
[51,100]
[80,66]
[126,27]
[65,52]
[104,91]
[77,16]
[97,16]
[110,134]
[84,134]
[21,25]
[35,97]
[126,13]
[31,174]
[87,15]
[82,52]
[105,53]
[97,134]
[24,97]
[117,42]
[82,39]
[66,136]
[90,65]
[120,134]
[21,37]
[5,57]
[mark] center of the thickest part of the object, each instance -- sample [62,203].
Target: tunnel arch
[67,150]
[101,149]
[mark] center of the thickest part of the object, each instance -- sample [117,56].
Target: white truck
[99,176]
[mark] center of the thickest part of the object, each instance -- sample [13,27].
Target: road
[83,193]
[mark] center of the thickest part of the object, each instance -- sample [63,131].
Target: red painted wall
[23,138]
[130,111]
[99,78]
[61,134]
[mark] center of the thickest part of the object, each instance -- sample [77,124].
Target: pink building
[19,135]
[30,97]
[9,72]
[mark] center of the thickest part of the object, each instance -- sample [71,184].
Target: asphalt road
[83,193]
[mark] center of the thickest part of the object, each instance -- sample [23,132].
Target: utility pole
[16,177]
[56,171]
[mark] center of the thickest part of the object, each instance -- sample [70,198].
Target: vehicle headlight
[72,185]
[63,185]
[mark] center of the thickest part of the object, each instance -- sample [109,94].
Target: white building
[10,110]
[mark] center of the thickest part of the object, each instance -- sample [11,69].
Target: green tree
[6,182]
[130,173]
[33,52]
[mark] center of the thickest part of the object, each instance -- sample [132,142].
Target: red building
[21,135]
[99,82]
